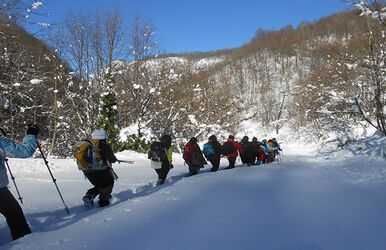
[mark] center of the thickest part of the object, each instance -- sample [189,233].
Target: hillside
[28,69]
[310,78]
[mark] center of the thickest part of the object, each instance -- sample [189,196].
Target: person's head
[193,140]
[99,134]
[273,139]
[231,137]
[212,138]
[245,138]
[254,139]
[166,139]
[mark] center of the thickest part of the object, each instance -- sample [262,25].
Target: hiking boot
[160,182]
[103,203]
[229,167]
[88,202]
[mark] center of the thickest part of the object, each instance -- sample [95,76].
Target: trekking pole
[281,156]
[13,179]
[53,179]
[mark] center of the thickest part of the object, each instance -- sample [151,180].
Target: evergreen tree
[109,112]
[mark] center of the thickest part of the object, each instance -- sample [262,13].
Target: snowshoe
[88,202]
[160,182]
[103,203]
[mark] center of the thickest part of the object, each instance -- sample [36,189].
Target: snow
[333,200]
[36,81]
[36,5]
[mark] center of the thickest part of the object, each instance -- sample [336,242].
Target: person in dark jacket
[250,150]
[103,180]
[256,144]
[193,156]
[232,156]
[9,207]
[214,158]
[166,165]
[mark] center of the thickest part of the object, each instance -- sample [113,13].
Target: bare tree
[90,43]
[140,80]
[373,66]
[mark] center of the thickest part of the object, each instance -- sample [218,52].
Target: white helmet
[99,134]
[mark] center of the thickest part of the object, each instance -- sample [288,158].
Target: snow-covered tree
[371,98]
[109,112]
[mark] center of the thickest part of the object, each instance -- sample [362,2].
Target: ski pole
[13,179]
[53,179]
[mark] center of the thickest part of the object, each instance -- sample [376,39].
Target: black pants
[193,168]
[215,164]
[13,213]
[232,161]
[103,182]
[163,171]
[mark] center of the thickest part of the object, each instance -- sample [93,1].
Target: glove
[171,166]
[32,129]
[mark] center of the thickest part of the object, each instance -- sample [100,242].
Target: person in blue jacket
[9,206]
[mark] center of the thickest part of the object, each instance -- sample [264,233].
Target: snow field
[303,203]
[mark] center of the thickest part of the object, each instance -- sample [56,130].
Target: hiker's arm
[24,150]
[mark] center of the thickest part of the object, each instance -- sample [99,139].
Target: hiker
[160,154]
[277,145]
[271,150]
[262,153]
[9,206]
[103,176]
[230,148]
[212,152]
[193,156]
[256,145]
[249,149]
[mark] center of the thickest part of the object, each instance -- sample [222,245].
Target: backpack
[87,155]
[208,149]
[188,149]
[157,152]
[228,148]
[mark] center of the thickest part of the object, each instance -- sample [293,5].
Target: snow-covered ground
[306,202]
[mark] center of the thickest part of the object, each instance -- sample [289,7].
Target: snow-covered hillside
[304,203]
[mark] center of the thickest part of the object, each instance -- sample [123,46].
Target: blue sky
[206,25]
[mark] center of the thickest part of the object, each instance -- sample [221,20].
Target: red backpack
[188,151]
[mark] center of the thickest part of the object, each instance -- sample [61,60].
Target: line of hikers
[251,153]
[95,157]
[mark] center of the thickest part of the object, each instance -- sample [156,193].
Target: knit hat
[212,138]
[193,140]
[99,134]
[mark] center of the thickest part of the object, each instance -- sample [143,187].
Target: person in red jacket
[230,148]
